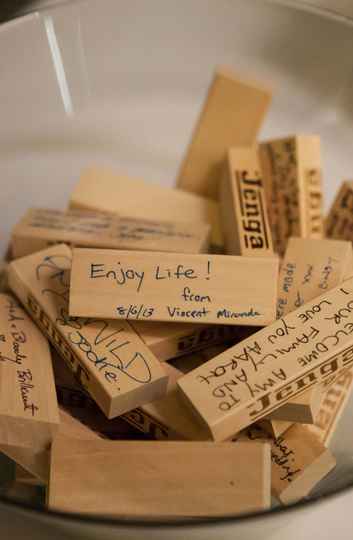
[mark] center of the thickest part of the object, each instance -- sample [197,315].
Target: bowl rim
[303,5]
[144,522]
[171,522]
[327,12]
[20,13]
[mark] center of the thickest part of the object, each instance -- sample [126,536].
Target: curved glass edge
[28,11]
[334,14]
[170,522]
[327,12]
[19,18]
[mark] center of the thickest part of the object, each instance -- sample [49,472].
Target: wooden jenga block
[231,116]
[167,236]
[274,428]
[24,477]
[109,358]
[309,268]
[29,415]
[73,428]
[299,461]
[332,406]
[291,169]
[171,340]
[243,205]
[350,275]
[73,398]
[339,221]
[154,479]
[255,377]
[36,463]
[162,419]
[41,228]
[302,409]
[191,361]
[169,417]
[100,190]
[173,287]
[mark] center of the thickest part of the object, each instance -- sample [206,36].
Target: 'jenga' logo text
[251,201]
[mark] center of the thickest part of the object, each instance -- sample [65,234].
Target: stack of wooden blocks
[201,335]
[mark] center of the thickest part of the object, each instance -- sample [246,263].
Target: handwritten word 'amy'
[122,275]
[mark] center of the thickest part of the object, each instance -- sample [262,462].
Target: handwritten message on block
[291,170]
[309,268]
[173,478]
[40,228]
[243,205]
[109,358]
[298,462]
[172,237]
[339,221]
[278,363]
[29,415]
[231,116]
[100,190]
[214,289]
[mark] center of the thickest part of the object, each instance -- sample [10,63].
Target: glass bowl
[120,84]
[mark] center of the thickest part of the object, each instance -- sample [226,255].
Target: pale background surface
[345,7]
[49,132]
[341,7]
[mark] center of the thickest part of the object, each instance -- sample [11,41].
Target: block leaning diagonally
[278,363]
[108,357]
[309,268]
[232,115]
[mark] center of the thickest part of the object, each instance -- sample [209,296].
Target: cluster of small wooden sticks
[214,320]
